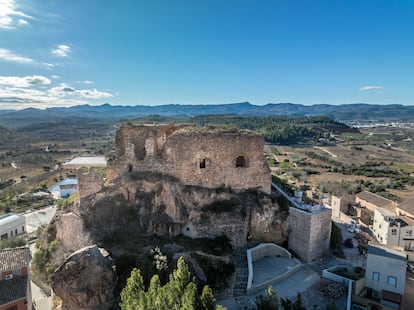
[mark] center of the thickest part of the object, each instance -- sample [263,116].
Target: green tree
[179,293]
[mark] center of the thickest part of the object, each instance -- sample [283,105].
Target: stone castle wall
[310,233]
[203,157]
[90,182]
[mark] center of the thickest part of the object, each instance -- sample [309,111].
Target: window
[392,281]
[409,232]
[15,231]
[240,162]
[202,163]
[11,233]
[375,276]
[22,228]
[130,168]
[393,231]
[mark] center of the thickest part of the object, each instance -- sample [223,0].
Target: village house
[406,208]
[14,282]
[344,205]
[394,230]
[11,225]
[64,188]
[373,201]
[384,279]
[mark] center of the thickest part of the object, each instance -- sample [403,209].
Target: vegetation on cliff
[180,292]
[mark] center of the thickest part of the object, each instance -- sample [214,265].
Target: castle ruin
[209,157]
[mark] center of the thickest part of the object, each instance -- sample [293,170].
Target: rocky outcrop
[86,280]
[149,203]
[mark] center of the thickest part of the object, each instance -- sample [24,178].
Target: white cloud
[10,56]
[61,50]
[10,16]
[22,22]
[94,94]
[368,88]
[33,91]
[66,90]
[26,81]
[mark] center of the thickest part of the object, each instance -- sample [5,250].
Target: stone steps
[241,273]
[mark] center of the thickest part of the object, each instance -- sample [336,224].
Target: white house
[385,273]
[11,225]
[64,188]
[394,230]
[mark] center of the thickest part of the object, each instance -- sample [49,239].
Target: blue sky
[152,52]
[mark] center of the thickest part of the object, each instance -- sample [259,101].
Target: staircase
[241,273]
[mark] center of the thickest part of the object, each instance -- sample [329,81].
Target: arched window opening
[130,168]
[240,162]
[202,163]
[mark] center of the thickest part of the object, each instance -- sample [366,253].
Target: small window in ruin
[130,168]
[203,163]
[240,162]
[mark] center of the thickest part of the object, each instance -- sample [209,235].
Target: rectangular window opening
[392,281]
[375,276]
[203,163]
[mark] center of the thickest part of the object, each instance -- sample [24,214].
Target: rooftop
[13,289]
[407,205]
[9,218]
[89,161]
[375,199]
[14,258]
[65,182]
[387,212]
[387,251]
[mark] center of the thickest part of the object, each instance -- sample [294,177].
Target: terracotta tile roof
[13,289]
[376,199]
[407,205]
[14,258]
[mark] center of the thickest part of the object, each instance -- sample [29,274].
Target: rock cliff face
[86,280]
[151,203]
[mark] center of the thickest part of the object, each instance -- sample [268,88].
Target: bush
[12,243]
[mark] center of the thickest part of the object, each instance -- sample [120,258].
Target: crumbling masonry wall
[207,157]
[89,182]
[310,233]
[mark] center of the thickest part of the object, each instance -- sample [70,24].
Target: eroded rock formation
[86,280]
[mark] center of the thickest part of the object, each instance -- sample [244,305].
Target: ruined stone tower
[208,157]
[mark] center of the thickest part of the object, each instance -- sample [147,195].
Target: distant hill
[346,112]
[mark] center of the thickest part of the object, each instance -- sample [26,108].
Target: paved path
[34,220]
[38,218]
[290,199]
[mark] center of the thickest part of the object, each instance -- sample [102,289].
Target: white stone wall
[13,228]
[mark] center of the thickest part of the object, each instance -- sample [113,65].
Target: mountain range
[346,112]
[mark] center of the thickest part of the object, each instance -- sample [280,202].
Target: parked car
[410,267]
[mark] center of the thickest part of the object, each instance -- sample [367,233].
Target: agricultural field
[31,157]
[380,160]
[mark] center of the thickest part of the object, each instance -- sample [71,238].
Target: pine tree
[179,293]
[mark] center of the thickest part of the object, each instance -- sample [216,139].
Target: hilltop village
[207,194]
